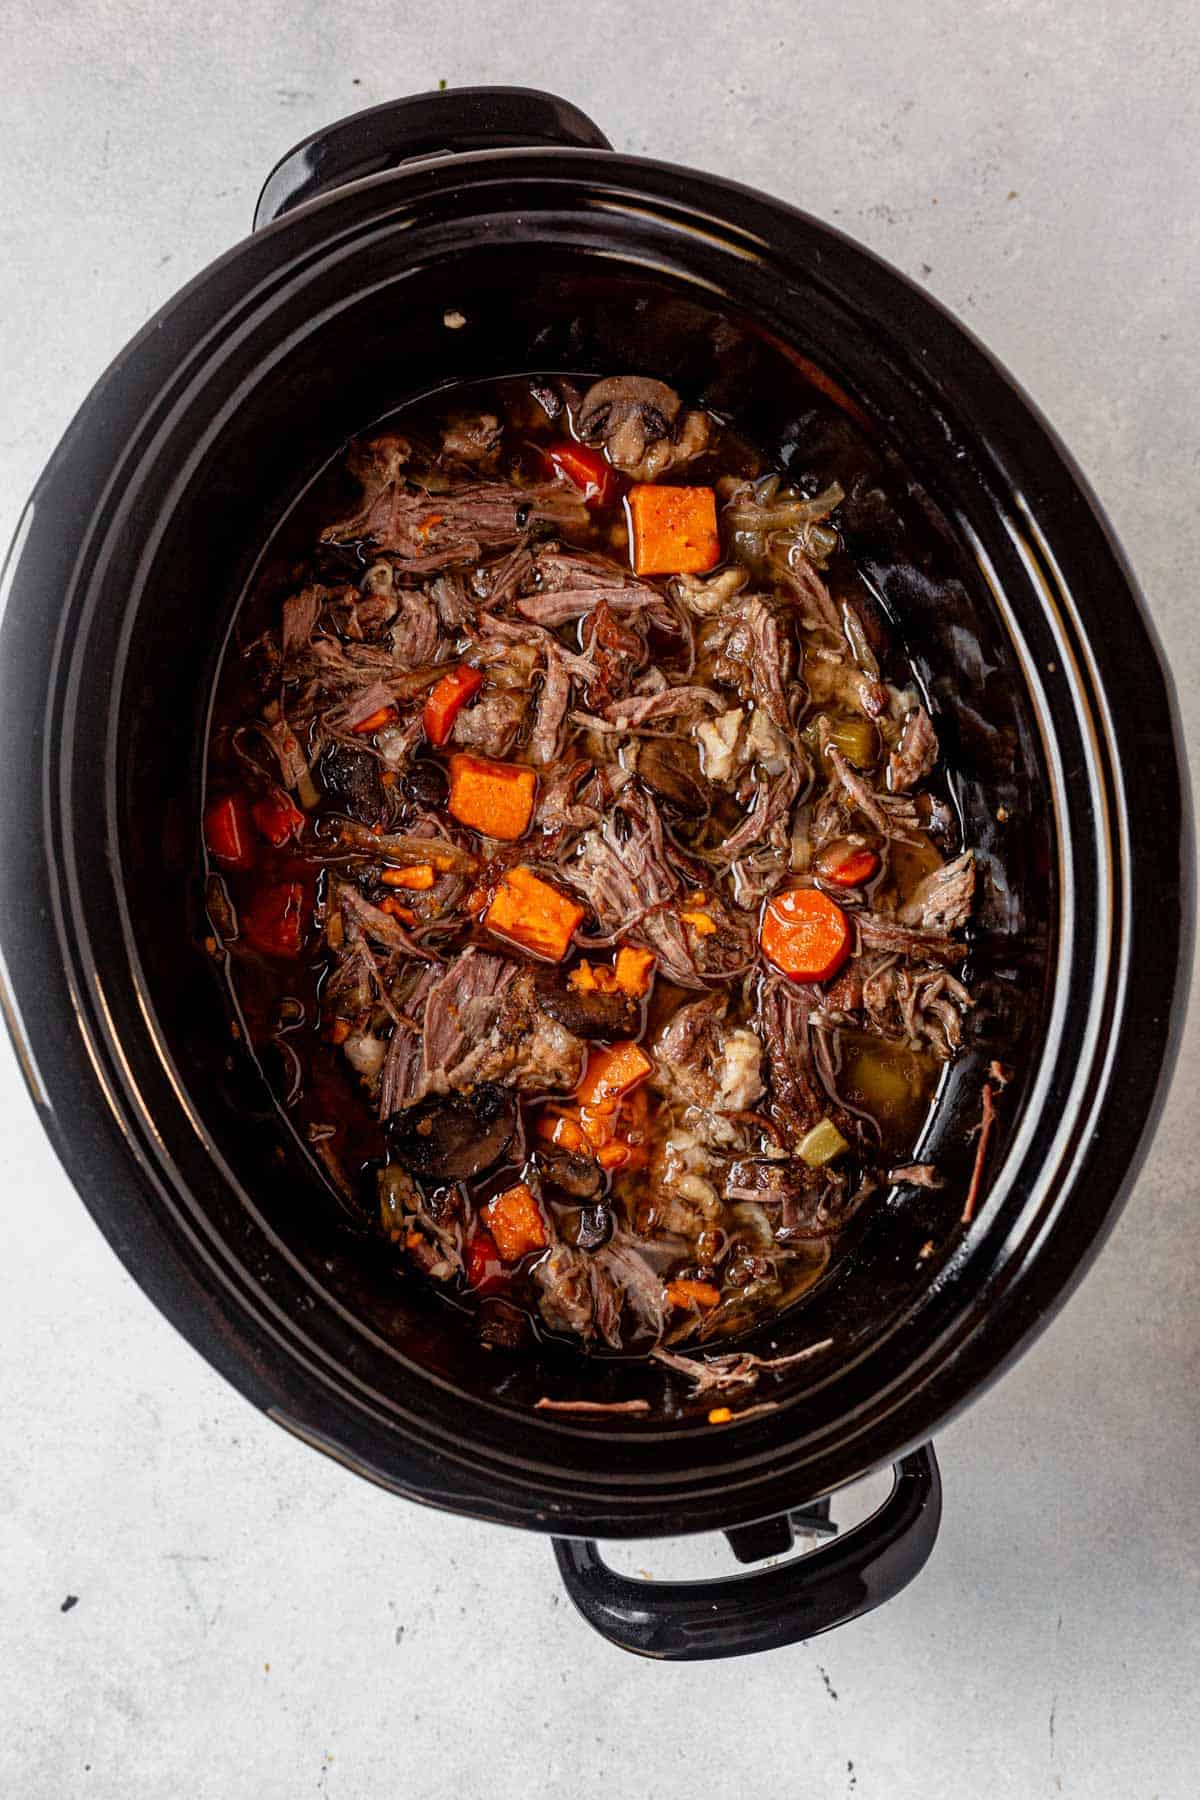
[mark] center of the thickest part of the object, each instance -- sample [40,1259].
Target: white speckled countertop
[252,1620]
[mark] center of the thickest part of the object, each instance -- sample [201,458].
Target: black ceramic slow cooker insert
[489,232]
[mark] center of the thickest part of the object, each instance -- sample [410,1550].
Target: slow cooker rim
[582,156]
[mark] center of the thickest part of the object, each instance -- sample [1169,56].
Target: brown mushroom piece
[351,778]
[454,1137]
[670,768]
[642,424]
[585,1012]
[578,1176]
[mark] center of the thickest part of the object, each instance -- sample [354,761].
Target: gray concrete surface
[250,1619]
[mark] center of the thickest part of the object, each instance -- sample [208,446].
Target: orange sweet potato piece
[559,1128]
[633,969]
[528,911]
[491,797]
[612,1073]
[673,530]
[515,1222]
[417,877]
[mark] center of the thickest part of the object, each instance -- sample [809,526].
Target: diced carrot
[847,865]
[585,469]
[516,1223]
[702,923]
[673,530]
[493,798]
[588,980]
[417,877]
[720,1415]
[805,934]
[688,1294]
[386,715]
[227,832]
[528,911]
[447,699]
[398,910]
[633,970]
[614,1155]
[277,819]
[611,1074]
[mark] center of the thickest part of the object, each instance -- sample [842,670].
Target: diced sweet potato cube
[612,1073]
[673,530]
[491,797]
[515,1222]
[417,877]
[528,911]
[633,969]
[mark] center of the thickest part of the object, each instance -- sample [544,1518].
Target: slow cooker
[492,231]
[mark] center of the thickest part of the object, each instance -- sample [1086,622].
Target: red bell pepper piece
[277,819]
[447,699]
[485,1271]
[585,469]
[227,832]
[274,919]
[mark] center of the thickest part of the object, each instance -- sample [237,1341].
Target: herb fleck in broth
[574,831]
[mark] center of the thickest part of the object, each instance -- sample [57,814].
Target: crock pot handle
[688,1621]
[439,123]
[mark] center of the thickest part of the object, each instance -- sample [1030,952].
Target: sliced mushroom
[585,1012]
[642,424]
[670,768]
[578,1176]
[454,1137]
[352,780]
[595,1227]
[426,785]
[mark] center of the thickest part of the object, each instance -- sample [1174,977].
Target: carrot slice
[515,1222]
[528,911]
[847,865]
[673,530]
[805,934]
[493,798]
[447,699]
